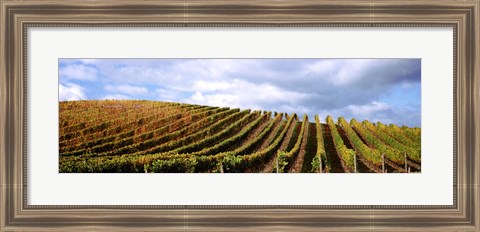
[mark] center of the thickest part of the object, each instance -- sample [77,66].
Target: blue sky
[385,90]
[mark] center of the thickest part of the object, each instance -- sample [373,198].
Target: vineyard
[120,136]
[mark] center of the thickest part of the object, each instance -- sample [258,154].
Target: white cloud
[217,99]
[246,95]
[322,66]
[352,72]
[340,72]
[168,95]
[300,110]
[211,86]
[71,92]
[88,61]
[198,98]
[137,74]
[77,72]
[127,89]
[116,97]
[273,94]
[364,73]
[212,68]
[369,109]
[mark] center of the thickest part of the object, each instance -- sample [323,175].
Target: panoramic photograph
[239,115]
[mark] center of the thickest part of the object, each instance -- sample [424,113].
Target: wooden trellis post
[355,162]
[406,164]
[320,163]
[383,163]
[277,162]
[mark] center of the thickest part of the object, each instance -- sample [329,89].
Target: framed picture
[240,116]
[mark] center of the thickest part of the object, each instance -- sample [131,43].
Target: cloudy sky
[386,90]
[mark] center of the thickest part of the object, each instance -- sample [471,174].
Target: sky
[385,90]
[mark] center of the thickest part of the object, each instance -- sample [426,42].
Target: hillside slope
[148,136]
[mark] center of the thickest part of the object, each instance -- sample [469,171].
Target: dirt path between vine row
[389,166]
[279,124]
[271,135]
[311,149]
[361,167]
[252,134]
[270,166]
[331,151]
[298,161]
